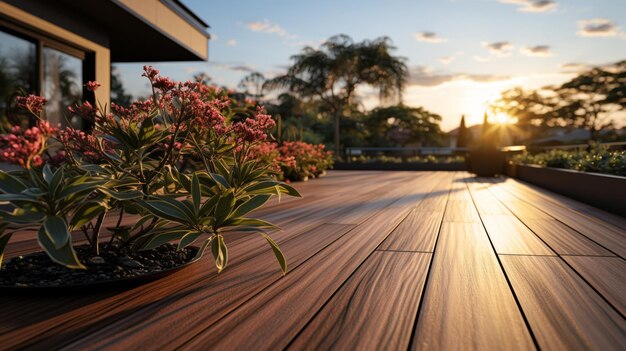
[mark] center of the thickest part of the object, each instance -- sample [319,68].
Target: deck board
[377,260]
[368,300]
[563,311]
[467,300]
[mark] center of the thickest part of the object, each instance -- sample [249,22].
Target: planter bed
[382,166]
[601,190]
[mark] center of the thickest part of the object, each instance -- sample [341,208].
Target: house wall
[46,27]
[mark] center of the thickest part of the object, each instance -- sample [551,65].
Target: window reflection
[17,71]
[62,86]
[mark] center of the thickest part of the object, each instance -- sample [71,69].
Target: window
[18,70]
[62,85]
[32,63]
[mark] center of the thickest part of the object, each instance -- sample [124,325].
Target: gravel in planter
[37,270]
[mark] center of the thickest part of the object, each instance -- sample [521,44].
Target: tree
[253,84]
[118,92]
[588,100]
[333,73]
[464,137]
[402,126]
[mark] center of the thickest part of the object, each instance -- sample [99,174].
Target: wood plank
[273,318]
[563,311]
[417,232]
[594,212]
[229,292]
[563,239]
[467,302]
[510,236]
[610,237]
[606,274]
[375,309]
[461,211]
[485,202]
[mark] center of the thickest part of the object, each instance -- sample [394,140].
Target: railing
[404,152]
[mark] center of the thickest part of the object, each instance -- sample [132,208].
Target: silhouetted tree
[402,126]
[253,85]
[118,92]
[464,137]
[333,72]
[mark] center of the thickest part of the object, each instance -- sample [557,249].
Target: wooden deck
[377,261]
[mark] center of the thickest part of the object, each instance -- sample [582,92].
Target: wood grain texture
[273,318]
[467,302]
[606,274]
[605,234]
[563,239]
[510,236]
[563,311]
[251,305]
[417,232]
[461,211]
[374,310]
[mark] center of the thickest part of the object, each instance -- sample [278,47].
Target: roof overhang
[149,30]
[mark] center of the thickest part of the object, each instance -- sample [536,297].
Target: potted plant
[147,183]
[485,160]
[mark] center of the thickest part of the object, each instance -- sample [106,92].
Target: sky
[461,53]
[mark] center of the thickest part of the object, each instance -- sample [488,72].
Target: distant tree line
[586,101]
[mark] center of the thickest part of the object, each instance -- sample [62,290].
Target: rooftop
[393,260]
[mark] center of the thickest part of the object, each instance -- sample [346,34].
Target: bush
[295,160]
[597,160]
[181,162]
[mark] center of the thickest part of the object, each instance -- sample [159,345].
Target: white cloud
[266,26]
[481,58]
[500,48]
[426,76]
[429,37]
[231,42]
[533,5]
[597,27]
[537,51]
[574,67]
[446,59]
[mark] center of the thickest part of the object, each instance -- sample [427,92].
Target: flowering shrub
[181,162]
[295,160]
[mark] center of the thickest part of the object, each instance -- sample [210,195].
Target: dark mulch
[37,270]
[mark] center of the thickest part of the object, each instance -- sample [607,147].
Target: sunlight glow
[503,118]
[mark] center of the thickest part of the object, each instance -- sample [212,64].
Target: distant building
[52,48]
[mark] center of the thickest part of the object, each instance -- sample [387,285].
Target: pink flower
[150,72]
[32,103]
[24,147]
[92,85]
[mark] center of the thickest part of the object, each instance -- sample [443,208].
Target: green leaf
[47,173]
[282,261]
[224,207]
[196,194]
[86,212]
[208,206]
[65,255]
[11,184]
[56,230]
[122,195]
[4,240]
[250,222]
[165,210]
[57,178]
[220,253]
[188,239]
[164,237]
[252,204]
[204,246]
[219,179]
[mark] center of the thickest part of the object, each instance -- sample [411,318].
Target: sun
[503,118]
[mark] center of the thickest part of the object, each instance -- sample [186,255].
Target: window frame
[42,40]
